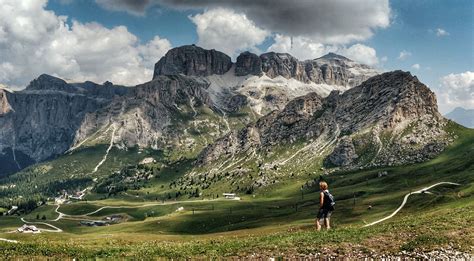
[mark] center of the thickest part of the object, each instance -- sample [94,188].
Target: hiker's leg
[326,223]
[318,225]
[318,217]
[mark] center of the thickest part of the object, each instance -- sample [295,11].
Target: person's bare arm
[321,199]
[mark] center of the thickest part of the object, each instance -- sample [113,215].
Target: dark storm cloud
[330,20]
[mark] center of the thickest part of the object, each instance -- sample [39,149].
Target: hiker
[326,206]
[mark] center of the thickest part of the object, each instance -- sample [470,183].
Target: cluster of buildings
[109,220]
[28,229]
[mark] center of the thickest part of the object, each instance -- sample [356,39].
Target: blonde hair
[323,185]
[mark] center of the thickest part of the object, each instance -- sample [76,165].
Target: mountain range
[50,116]
[214,124]
[462,116]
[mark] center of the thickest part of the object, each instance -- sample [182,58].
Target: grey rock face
[192,61]
[263,95]
[237,102]
[272,129]
[331,69]
[343,155]
[41,121]
[144,115]
[389,103]
[48,82]
[248,63]
[283,64]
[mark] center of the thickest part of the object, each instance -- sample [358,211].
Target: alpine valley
[170,157]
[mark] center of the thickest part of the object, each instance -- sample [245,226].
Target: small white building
[59,200]
[28,229]
[12,210]
[230,196]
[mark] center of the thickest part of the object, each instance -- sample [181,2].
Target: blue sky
[168,23]
[434,39]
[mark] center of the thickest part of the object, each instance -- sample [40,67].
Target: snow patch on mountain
[263,93]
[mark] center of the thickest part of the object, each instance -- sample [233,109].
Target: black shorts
[324,213]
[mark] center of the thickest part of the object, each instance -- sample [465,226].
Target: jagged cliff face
[192,61]
[331,69]
[146,116]
[392,116]
[266,82]
[40,121]
[51,117]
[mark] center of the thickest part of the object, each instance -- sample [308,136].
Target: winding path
[56,229]
[423,190]
[141,206]
[61,215]
[8,240]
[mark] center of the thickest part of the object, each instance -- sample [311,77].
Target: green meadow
[277,221]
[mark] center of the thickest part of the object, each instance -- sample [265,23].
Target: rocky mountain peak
[332,56]
[192,60]
[390,99]
[331,69]
[283,64]
[462,116]
[48,82]
[395,103]
[248,63]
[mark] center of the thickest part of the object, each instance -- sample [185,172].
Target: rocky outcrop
[144,117]
[392,99]
[344,154]
[283,64]
[41,121]
[272,129]
[390,104]
[267,81]
[4,104]
[331,69]
[192,61]
[248,63]
[237,102]
[51,83]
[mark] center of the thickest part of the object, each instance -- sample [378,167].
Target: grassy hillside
[276,220]
[192,129]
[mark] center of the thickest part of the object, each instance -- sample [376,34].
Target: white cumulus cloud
[416,66]
[441,32]
[305,48]
[457,90]
[36,41]
[404,55]
[227,31]
[302,48]
[361,53]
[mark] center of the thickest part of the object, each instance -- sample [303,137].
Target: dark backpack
[330,201]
